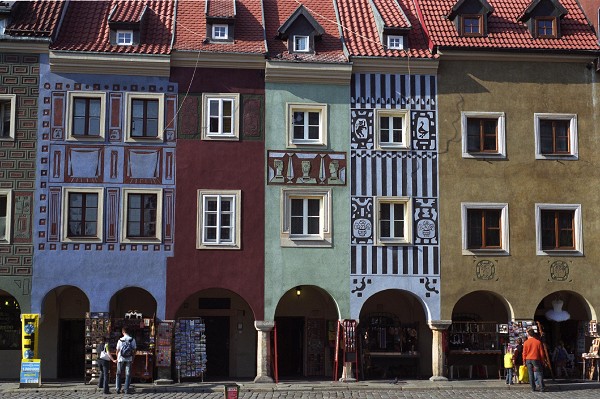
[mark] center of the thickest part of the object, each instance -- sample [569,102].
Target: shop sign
[30,372]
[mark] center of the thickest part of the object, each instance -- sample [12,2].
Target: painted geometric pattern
[306,168]
[111,163]
[19,75]
[394,260]
[376,90]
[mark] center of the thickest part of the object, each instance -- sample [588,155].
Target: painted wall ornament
[559,271]
[306,168]
[485,270]
[423,130]
[426,216]
[362,220]
[429,285]
[362,129]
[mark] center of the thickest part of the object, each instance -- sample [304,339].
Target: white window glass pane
[313,225]
[152,109]
[95,107]
[227,125]
[297,224]
[314,207]
[210,234]
[151,128]
[90,229]
[134,215]
[94,126]
[91,214]
[211,219]
[227,107]
[225,234]
[79,125]
[211,204]
[213,107]
[74,229]
[226,205]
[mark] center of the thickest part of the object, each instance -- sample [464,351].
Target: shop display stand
[164,341]
[190,348]
[346,331]
[97,328]
[142,330]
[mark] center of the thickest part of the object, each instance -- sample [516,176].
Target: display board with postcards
[97,329]
[518,329]
[164,338]
[190,348]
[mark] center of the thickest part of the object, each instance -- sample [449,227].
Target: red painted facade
[219,165]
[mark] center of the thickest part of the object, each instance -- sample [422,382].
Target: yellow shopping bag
[523,374]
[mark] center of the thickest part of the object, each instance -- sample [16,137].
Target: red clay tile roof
[85,26]
[35,18]
[392,14]
[328,48]
[221,8]
[361,35]
[504,30]
[129,11]
[248,33]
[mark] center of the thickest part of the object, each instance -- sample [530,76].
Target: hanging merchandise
[190,348]
[97,329]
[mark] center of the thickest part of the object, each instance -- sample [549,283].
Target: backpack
[127,348]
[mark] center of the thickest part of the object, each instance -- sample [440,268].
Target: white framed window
[485,228]
[5,215]
[555,136]
[394,221]
[220,32]
[558,229]
[144,116]
[8,120]
[392,127]
[483,134]
[301,44]
[141,215]
[307,124]
[306,218]
[82,215]
[124,37]
[395,42]
[219,219]
[221,116]
[86,113]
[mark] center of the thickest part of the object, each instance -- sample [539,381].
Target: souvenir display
[142,330]
[164,338]
[97,328]
[190,348]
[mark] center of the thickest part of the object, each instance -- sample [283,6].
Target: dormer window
[545,27]
[220,32]
[301,44]
[395,42]
[472,25]
[125,37]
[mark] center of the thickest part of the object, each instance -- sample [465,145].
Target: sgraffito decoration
[559,271]
[306,168]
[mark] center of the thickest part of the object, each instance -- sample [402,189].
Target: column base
[264,379]
[437,378]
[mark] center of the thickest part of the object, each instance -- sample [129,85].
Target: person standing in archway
[125,354]
[533,357]
[518,356]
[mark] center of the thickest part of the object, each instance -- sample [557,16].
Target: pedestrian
[533,356]
[518,356]
[559,358]
[104,359]
[125,354]
[508,365]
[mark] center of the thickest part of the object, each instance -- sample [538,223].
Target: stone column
[437,353]
[263,351]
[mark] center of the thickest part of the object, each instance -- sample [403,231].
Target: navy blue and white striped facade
[409,173]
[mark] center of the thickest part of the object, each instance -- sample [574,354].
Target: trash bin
[232,391]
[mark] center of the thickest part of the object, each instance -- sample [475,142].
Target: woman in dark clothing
[518,356]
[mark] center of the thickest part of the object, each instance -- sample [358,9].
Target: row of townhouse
[276,167]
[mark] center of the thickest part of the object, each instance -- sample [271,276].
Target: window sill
[485,252]
[219,246]
[307,144]
[394,243]
[392,148]
[130,139]
[483,155]
[223,137]
[559,252]
[306,242]
[71,137]
[554,157]
[82,240]
[141,241]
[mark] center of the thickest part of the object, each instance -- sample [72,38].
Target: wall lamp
[298,291]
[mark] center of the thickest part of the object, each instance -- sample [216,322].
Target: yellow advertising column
[30,363]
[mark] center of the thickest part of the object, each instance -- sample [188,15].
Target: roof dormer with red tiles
[543,18]
[301,31]
[125,22]
[392,24]
[470,17]
[220,20]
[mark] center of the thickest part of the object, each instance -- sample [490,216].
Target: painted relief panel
[306,168]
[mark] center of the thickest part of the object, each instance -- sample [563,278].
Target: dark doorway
[290,343]
[217,346]
[71,349]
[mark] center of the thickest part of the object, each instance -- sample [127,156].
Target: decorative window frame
[235,136]
[65,214]
[392,38]
[408,221]
[12,98]
[9,216]
[323,126]
[237,243]
[325,237]
[71,96]
[504,223]
[405,115]
[577,229]
[214,32]
[500,138]
[127,33]
[573,142]
[159,216]
[305,49]
[129,97]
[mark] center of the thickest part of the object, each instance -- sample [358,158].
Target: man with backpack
[125,353]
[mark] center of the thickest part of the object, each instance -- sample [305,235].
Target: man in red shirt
[533,357]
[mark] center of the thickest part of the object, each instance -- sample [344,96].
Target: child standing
[508,365]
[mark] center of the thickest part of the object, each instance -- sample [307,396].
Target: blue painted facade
[114,167]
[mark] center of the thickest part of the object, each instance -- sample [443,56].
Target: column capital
[264,325]
[439,325]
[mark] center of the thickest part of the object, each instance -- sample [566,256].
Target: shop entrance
[230,336]
[62,333]
[395,340]
[476,337]
[564,318]
[10,336]
[306,322]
